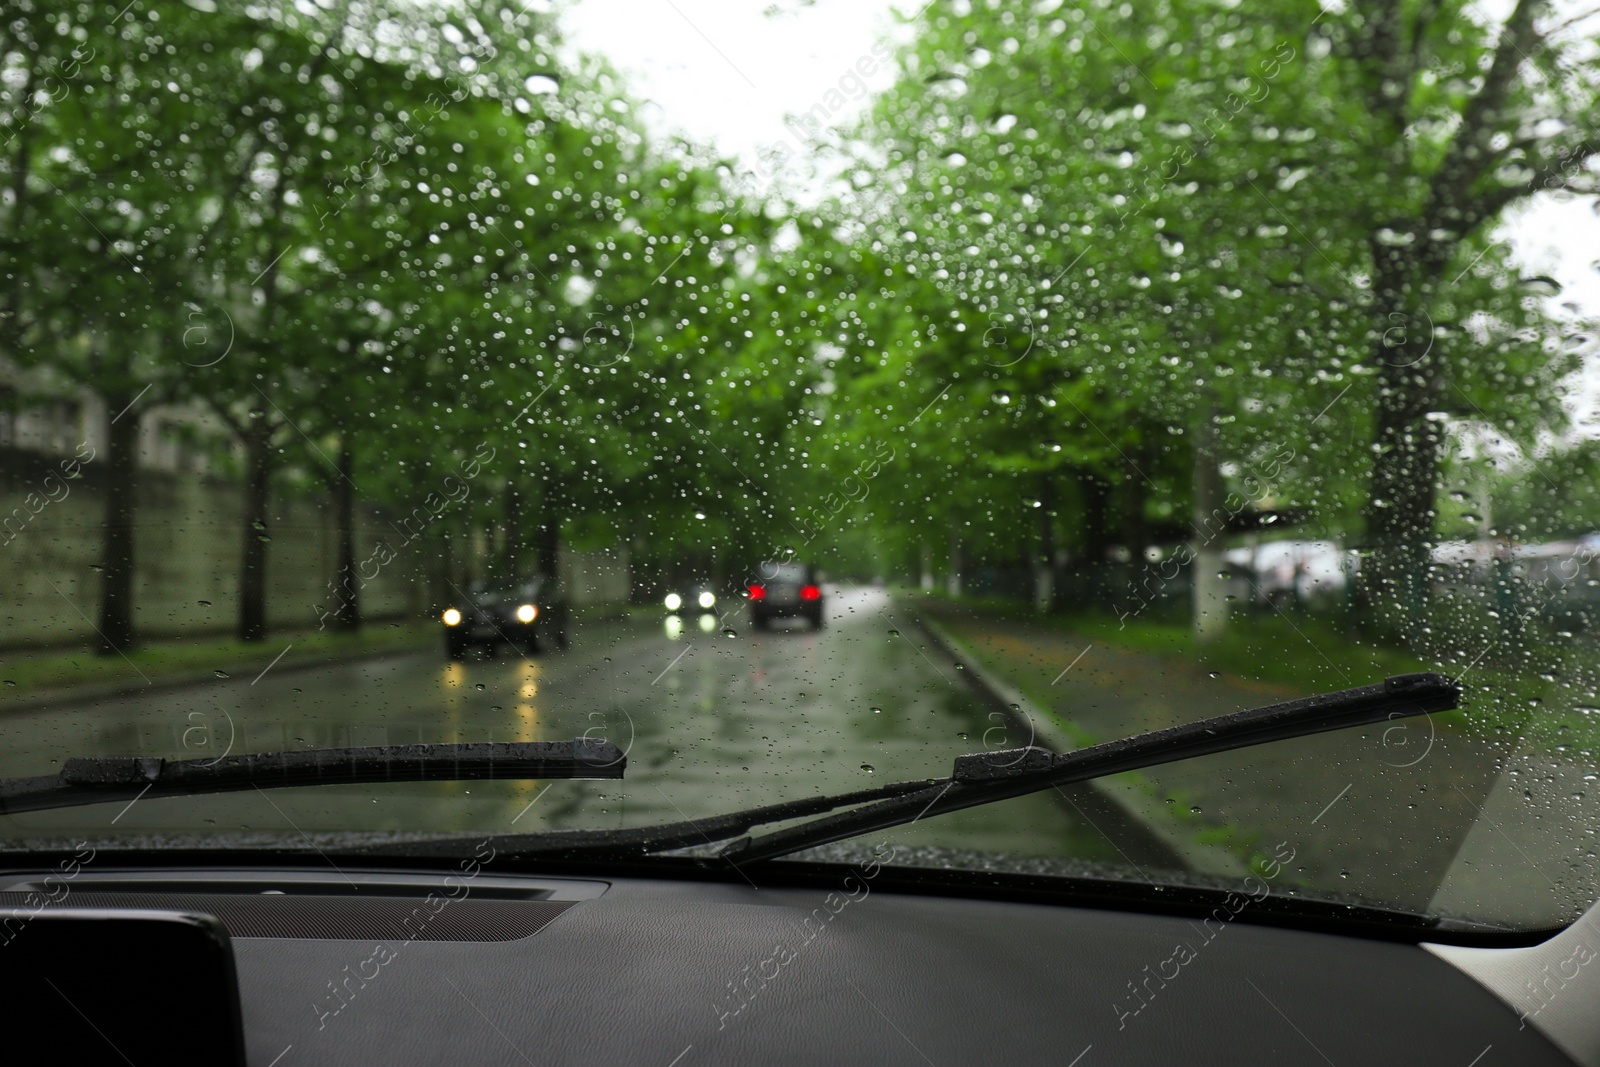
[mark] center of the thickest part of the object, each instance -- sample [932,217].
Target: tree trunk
[348,617]
[548,548]
[1400,516]
[253,554]
[1400,509]
[953,578]
[1131,511]
[1209,615]
[443,568]
[467,560]
[1044,564]
[1096,518]
[1094,577]
[513,545]
[116,579]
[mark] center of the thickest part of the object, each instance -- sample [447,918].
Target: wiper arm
[637,841]
[986,777]
[1396,698]
[100,780]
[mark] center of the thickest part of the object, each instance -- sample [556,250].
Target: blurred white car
[1293,570]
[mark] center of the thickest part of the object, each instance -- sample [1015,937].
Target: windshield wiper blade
[986,777]
[1396,698]
[636,841]
[101,780]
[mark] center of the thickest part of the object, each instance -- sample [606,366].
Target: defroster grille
[347,917]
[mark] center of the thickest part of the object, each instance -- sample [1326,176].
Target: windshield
[1117,366]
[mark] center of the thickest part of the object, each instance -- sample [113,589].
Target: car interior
[699,532]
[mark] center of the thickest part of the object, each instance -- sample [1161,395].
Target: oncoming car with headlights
[687,598]
[522,615]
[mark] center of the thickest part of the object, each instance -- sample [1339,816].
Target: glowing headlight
[451,617]
[707,599]
[673,601]
[527,613]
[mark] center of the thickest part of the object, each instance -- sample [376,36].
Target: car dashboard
[370,966]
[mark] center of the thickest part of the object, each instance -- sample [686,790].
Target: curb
[78,644]
[1143,837]
[88,694]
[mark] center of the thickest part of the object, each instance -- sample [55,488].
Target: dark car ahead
[522,614]
[785,590]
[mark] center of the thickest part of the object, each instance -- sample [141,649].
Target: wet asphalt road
[711,723]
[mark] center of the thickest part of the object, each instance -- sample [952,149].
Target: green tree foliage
[1150,231]
[375,241]
[1092,268]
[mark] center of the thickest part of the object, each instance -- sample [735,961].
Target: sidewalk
[1379,813]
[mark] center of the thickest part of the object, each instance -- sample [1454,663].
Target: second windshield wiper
[100,780]
[990,776]
[978,778]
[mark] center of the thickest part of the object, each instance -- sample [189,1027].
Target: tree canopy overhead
[1092,274]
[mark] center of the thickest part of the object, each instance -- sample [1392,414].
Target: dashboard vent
[351,917]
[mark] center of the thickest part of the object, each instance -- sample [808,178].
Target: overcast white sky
[723,71]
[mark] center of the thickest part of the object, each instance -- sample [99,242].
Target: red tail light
[810,592]
[758,592]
